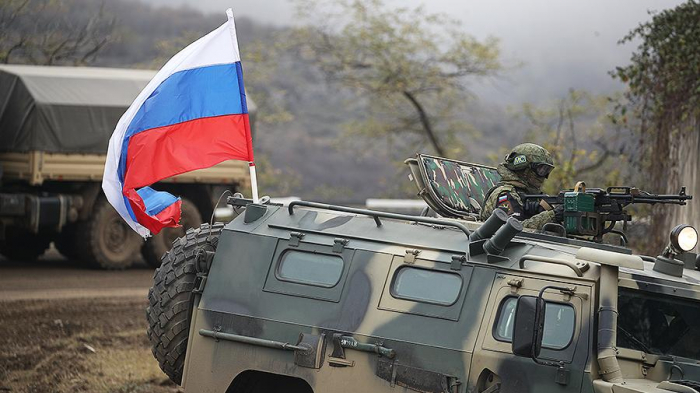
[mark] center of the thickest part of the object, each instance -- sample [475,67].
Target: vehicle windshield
[659,324]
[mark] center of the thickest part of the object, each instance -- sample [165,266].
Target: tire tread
[171,299]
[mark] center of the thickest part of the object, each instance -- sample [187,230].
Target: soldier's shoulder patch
[504,203]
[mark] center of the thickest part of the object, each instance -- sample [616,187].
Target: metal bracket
[477,248]
[457,261]
[313,356]
[562,377]
[337,358]
[200,281]
[410,256]
[495,388]
[339,245]
[203,260]
[295,238]
[338,362]
[515,284]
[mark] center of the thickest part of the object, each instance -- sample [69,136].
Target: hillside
[311,153]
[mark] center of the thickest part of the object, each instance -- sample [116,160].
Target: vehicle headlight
[684,238]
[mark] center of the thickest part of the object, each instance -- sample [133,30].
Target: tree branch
[425,121]
[595,165]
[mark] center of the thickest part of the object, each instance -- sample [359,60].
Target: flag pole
[234,43]
[254,182]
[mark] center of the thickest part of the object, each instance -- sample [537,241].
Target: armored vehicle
[55,125]
[312,297]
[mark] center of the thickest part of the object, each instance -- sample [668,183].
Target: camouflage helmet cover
[521,157]
[532,152]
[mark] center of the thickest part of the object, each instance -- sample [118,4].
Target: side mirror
[528,326]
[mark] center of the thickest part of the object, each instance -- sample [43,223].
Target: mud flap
[416,379]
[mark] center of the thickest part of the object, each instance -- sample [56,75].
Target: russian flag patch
[502,199]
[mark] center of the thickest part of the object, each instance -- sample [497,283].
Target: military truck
[55,125]
[312,297]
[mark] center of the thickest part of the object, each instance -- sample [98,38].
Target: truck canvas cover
[64,109]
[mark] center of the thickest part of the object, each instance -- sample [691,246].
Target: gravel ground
[68,329]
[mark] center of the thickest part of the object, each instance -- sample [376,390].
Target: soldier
[523,171]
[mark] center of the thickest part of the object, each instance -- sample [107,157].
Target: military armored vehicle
[55,125]
[312,297]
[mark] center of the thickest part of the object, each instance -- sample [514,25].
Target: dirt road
[64,328]
[53,277]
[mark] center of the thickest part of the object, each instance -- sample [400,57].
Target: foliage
[410,67]
[262,62]
[51,32]
[663,80]
[275,181]
[583,140]
[664,74]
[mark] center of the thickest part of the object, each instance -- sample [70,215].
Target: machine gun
[593,212]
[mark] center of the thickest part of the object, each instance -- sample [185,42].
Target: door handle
[350,343]
[341,342]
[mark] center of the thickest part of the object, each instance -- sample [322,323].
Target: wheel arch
[253,381]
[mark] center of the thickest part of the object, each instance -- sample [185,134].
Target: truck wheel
[20,245]
[155,247]
[171,300]
[104,240]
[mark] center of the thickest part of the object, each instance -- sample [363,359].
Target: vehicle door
[566,338]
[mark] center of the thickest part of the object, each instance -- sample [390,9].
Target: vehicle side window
[506,317]
[559,323]
[658,324]
[321,270]
[427,286]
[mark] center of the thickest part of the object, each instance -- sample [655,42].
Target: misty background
[547,49]
[551,46]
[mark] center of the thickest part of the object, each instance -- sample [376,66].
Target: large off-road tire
[104,240]
[171,299]
[22,245]
[159,244]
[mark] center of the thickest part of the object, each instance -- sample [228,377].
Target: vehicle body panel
[453,343]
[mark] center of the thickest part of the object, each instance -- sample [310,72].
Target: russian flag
[192,115]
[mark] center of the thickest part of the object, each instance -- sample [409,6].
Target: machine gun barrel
[632,195]
[625,195]
[667,201]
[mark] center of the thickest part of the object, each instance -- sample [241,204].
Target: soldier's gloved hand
[559,213]
[532,207]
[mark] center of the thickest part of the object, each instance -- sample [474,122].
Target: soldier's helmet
[531,163]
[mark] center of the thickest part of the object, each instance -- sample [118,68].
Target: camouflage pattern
[533,154]
[511,184]
[459,185]
[313,300]
[251,312]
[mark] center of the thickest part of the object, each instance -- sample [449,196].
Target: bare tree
[584,141]
[50,32]
[409,66]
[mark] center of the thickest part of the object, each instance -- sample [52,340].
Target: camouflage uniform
[506,194]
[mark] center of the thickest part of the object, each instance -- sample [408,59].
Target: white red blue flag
[192,115]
